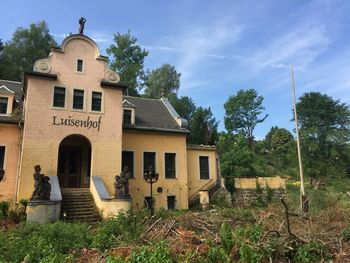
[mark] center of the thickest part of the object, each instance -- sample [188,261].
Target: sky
[219,47]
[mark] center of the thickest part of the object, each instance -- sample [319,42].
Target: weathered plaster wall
[41,138]
[10,138]
[160,143]
[194,181]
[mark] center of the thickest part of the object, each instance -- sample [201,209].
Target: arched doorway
[74,162]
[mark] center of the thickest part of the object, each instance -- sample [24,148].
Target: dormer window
[128,113]
[127,116]
[3,105]
[80,65]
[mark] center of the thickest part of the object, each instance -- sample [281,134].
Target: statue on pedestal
[42,186]
[121,184]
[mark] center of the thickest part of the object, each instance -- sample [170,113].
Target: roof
[152,115]
[14,86]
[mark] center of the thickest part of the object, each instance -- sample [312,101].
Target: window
[3,105]
[59,97]
[2,157]
[128,161]
[80,65]
[171,201]
[149,159]
[170,169]
[78,99]
[96,101]
[204,167]
[127,117]
[147,202]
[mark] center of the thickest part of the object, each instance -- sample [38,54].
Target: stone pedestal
[204,199]
[43,211]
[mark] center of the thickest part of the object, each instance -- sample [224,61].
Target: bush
[346,234]
[226,237]
[310,252]
[43,242]
[246,239]
[156,253]
[4,209]
[124,228]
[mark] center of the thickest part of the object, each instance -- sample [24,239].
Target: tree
[184,106]
[236,158]
[203,127]
[325,131]
[128,60]
[162,82]
[281,148]
[26,46]
[242,113]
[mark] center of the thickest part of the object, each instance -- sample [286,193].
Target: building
[70,116]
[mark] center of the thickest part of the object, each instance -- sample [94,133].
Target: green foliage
[184,106]
[123,228]
[217,254]
[158,252]
[246,239]
[269,194]
[26,46]
[43,242]
[17,212]
[162,213]
[4,209]
[310,252]
[162,82]
[325,130]
[236,158]
[128,60]
[220,201]
[244,215]
[242,113]
[346,234]
[226,236]
[203,127]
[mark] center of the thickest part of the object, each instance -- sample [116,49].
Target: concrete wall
[10,138]
[250,183]
[41,138]
[194,181]
[160,143]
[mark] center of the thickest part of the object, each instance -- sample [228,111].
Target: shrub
[310,252]
[124,228]
[246,239]
[269,194]
[346,234]
[43,243]
[18,213]
[226,236]
[158,252]
[4,209]
[218,255]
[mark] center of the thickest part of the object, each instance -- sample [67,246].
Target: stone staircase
[78,206]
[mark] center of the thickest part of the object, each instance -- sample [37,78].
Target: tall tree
[128,60]
[242,113]
[203,127]
[325,128]
[162,82]
[26,46]
[184,106]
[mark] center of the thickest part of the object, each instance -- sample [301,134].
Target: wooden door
[69,166]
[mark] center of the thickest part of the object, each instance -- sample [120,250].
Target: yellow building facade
[70,116]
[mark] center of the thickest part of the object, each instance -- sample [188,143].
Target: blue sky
[218,46]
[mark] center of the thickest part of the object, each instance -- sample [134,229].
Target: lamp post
[151,177]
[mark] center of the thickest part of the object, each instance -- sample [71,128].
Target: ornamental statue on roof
[82,21]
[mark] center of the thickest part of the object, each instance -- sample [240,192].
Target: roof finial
[82,21]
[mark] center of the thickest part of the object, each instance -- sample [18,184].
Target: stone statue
[118,185]
[42,187]
[121,184]
[46,188]
[82,21]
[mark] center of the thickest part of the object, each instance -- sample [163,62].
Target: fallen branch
[151,227]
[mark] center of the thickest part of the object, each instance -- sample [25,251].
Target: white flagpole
[303,201]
